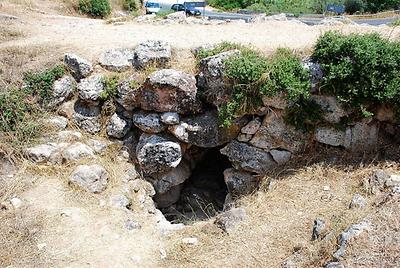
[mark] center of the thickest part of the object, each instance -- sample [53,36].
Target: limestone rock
[165,181]
[128,92]
[281,156]
[87,118]
[117,59]
[212,79]
[249,158]
[63,90]
[76,151]
[318,229]
[240,182]
[97,145]
[90,89]
[363,136]
[168,198]
[40,153]
[119,201]
[152,52]
[58,122]
[251,127]
[169,90]
[358,201]
[330,136]
[79,67]
[334,265]
[132,225]
[68,136]
[204,131]
[148,122]
[92,178]
[169,118]
[230,219]
[157,154]
[276,134]
[349,234]
[244,137]
[333,111]
[180,15]
[393,181]
[66,109]
[117,127]
[377,181]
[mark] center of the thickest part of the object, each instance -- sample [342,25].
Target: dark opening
[203,194]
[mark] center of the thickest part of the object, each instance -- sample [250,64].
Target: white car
[152,7]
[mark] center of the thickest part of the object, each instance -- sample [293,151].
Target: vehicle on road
[191,11]
[152,7]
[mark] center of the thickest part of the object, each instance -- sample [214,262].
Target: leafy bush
[130,5]
[17,116]
[353,6]
[95,8]
[40,84]
[253,76]
[361,70]
[304,115]
[287,75]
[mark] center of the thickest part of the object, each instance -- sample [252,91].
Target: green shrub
[304,115]
[40,84]
[353,6]
[361,70]
[17,116]
[95,8]
[254,76]
[287,75]
[130,5]
[110,86]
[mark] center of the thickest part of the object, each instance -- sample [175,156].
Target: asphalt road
[310,21]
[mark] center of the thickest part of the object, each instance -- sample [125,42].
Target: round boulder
[117,59]
[157,154]
[169,90]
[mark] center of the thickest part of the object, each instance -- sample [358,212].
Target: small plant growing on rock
[110,86]
[222,47]
[95,8]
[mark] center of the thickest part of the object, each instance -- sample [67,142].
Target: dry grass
[19,228]
[9,32]
[16,60]
[280,220]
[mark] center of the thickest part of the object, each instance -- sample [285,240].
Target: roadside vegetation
[308,6]
[362,71]
[103,8]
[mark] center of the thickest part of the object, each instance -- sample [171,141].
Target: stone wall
[169,119]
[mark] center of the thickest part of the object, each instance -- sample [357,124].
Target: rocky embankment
[167,123]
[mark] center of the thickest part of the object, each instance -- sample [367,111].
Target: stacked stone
[166,113]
